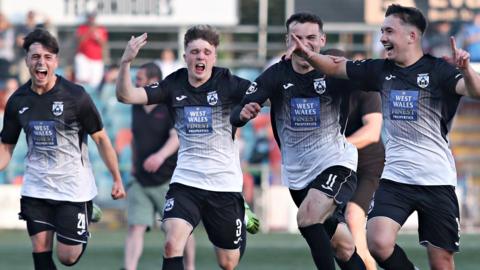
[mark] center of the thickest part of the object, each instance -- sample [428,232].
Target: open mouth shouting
[388,48]
[199,68]
[41,73]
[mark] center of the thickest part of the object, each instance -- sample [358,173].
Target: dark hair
[202,31]
[152,70]
[304,17]
[43,37]
[408,15]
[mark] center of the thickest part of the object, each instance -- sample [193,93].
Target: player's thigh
[72,222]
[38,213]
[185,203]
[140,209]
[439,218]
[336,182]
[223,218]
[393,200]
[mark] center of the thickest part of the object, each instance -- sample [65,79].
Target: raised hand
[133,47]
[460,58]
[296,46]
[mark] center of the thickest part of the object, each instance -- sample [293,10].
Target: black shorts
[222,213]
[336,182]
[368,177]
[437,208]
[69,220]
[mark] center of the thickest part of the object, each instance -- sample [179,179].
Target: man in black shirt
[155,145]
[420,95]
[56,116]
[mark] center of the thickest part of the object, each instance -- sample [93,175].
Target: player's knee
[442,262]
[68,259]
[171,249]
[343,249]
[227,263]
[379,248]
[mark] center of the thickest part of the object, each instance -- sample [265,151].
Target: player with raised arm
[420,95]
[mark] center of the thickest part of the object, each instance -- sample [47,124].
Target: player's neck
[301,67]
[410,58]
[42,89]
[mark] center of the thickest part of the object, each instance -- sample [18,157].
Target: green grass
[264,252]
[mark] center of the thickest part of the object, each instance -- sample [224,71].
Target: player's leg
[72,220]
[344,248]
[39,217]
[368,177]
[189,254]
[223,219]
[141,212]
[439,225]
[392,204]
[181,215]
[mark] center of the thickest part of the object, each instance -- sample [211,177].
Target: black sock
[319,244]
[43,261]
[397,261]
[174,263]
[354,263]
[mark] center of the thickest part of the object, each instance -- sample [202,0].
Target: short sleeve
[11,126]
[88,115]
[157,92]
[364,73]
[449,76]
[370,102]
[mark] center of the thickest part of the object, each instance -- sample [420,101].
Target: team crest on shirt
[423,80]
[57,108]
[319,85]
[252,88]
[212,98]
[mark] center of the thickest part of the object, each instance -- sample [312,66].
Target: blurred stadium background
[252,37]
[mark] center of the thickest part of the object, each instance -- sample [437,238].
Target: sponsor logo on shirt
[423,80]
[153,85]
[288,85]
[212,97]
[22,110]
[319,85]
[57,108]
[180,98]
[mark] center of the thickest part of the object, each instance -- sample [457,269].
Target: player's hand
[153,162]
[297,47]
[249,111]
[118,192]
[133,47]
[460,58]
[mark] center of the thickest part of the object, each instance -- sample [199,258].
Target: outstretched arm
[6,151]
[126,93]
[470,84]
[109,156]
[322,63]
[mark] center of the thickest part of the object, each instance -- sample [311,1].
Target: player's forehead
[38,48]
[307,28]
[200,44]
[392,22]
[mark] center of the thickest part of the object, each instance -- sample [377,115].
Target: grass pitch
[276,251]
